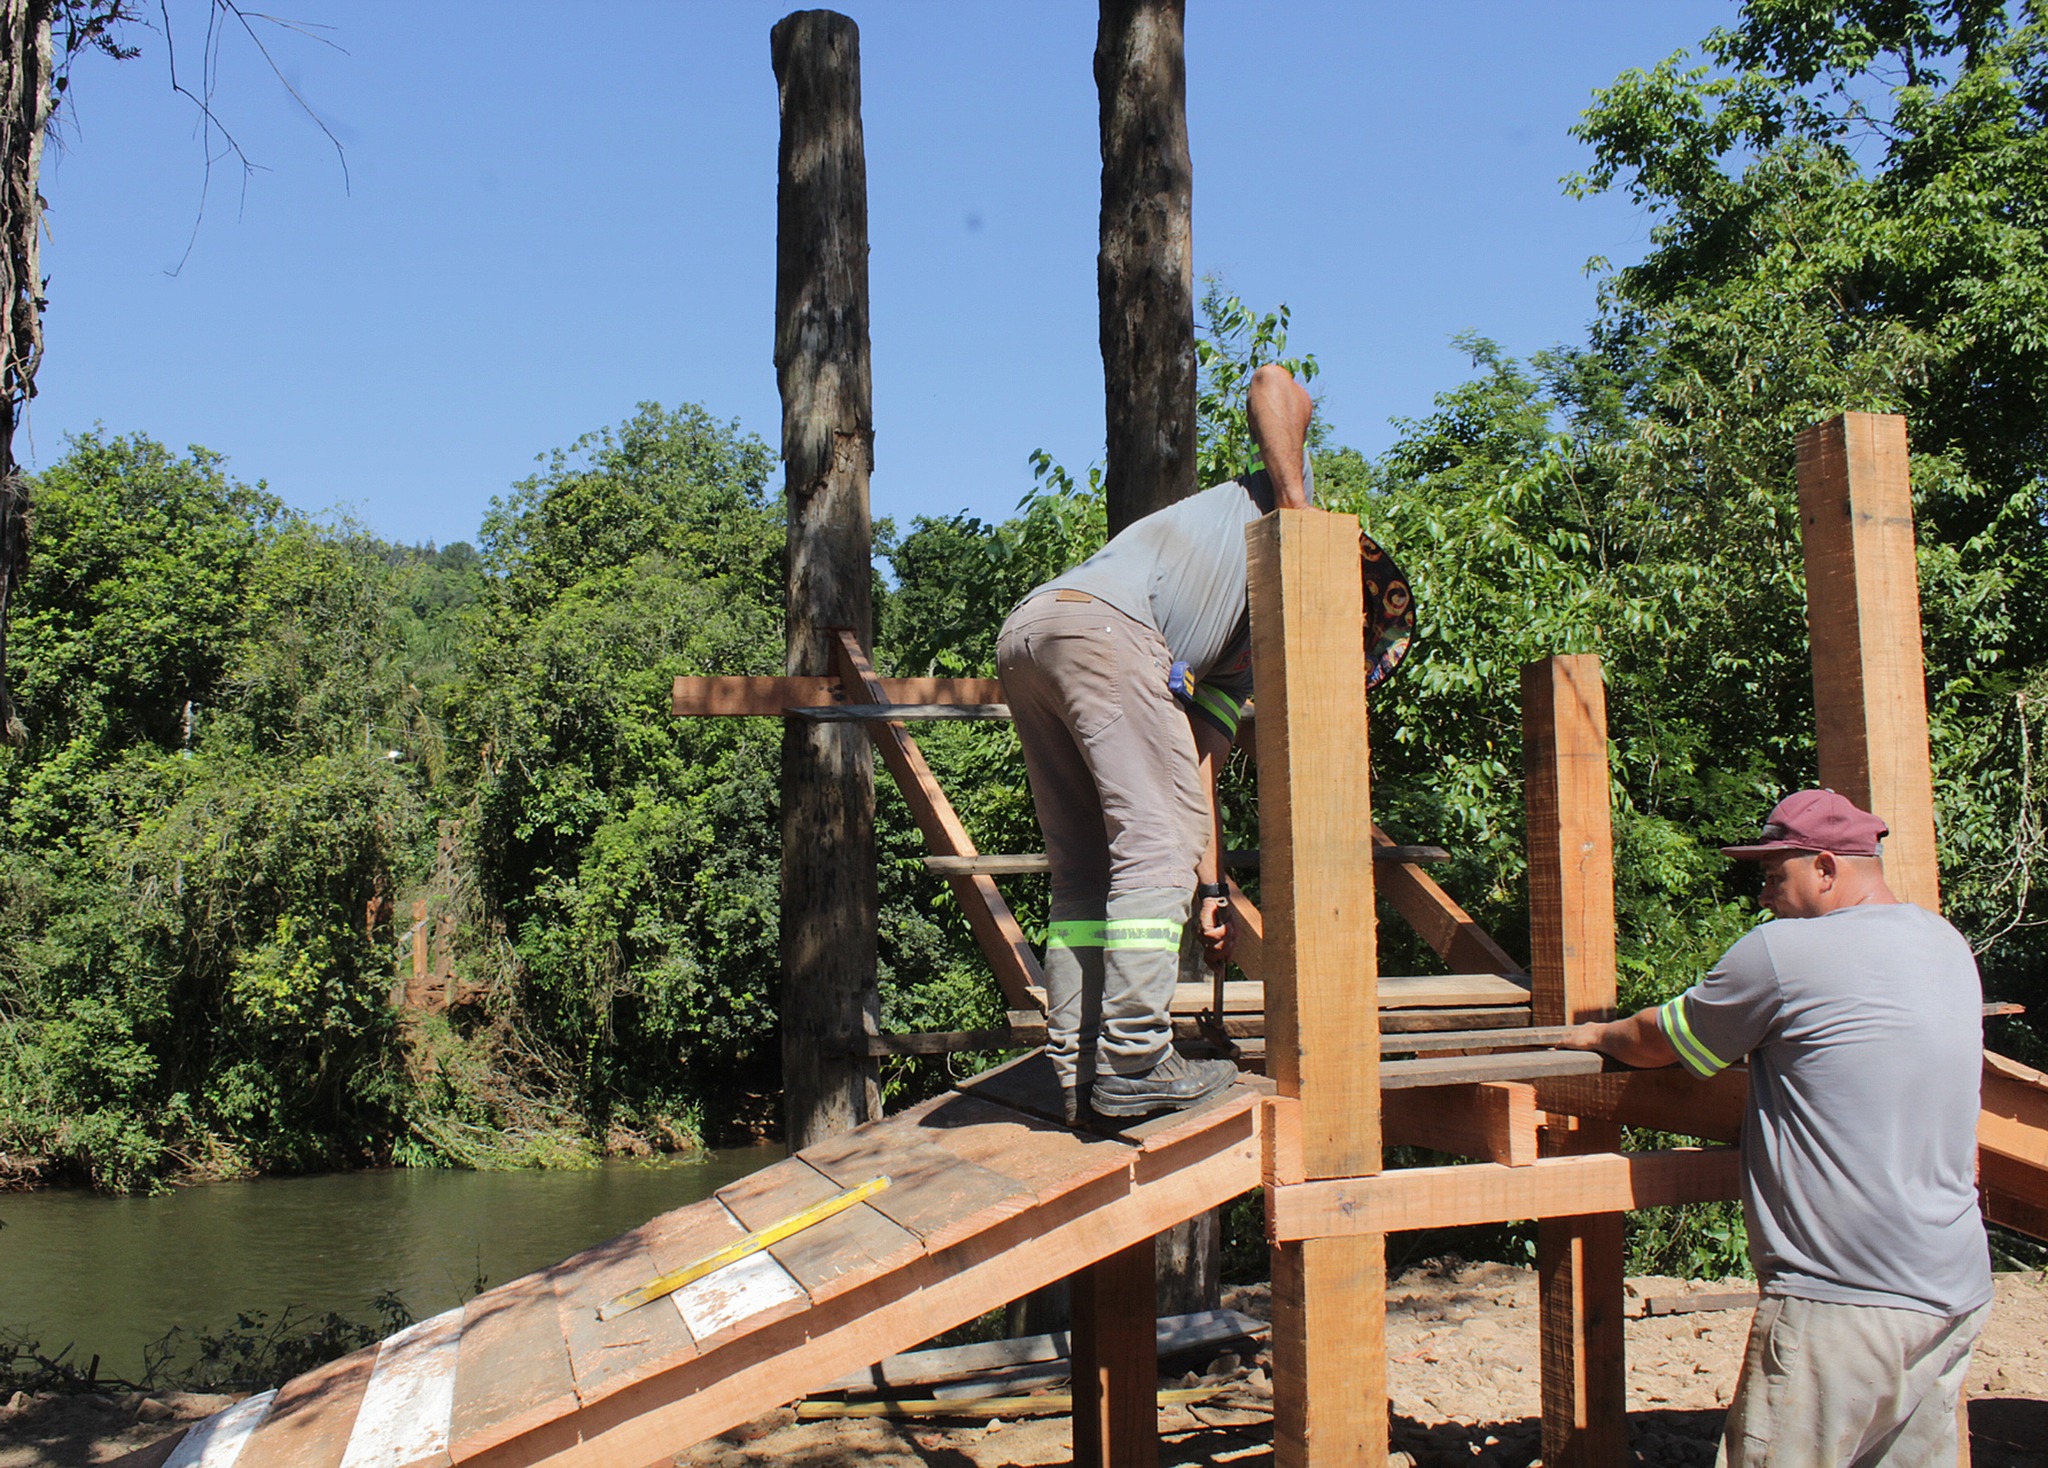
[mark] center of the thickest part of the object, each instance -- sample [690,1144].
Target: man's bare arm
[1279,409]
[1638,1040]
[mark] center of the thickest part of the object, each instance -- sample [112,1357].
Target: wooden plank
[1446,927]
[1417,1021]
[862,713]
[770,697]
[1404,991]
[931,1192]
[1699,1304]
[1525,1037]
[1026,1084]
[995,928]
[219,1440]
[1321,972]
[1485,1192]
[1042,1155]
[1402,1033]
[608,1355]
[1863,617]
[404,1419]
[1668,1100]
[310,1419]
[512,1369]
[822,1259]
[1116,1361]
[1016,1253]
[1581,1304]
[1026,863]
[736,1296]
[2014,1119]
[1505,1065]
[1494,1121]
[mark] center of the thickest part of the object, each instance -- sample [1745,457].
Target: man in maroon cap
[1861,1018]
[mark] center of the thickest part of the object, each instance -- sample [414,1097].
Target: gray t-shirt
[1864,1032]
[1181,572]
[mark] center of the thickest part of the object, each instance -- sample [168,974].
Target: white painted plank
[411,1396]
[727,1296]
[217,1442]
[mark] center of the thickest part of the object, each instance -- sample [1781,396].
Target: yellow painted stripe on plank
[739,1249]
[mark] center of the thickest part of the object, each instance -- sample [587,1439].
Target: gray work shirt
[1181,572]
[1864,1032]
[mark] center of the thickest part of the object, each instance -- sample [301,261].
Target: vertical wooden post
[1571,968]
[1145,270]
[828,785]
[1322,975]
[1863,616]
[1116,1362]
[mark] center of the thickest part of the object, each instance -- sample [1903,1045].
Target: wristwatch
[1206,890]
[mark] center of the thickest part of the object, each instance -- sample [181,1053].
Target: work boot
[1172,1084]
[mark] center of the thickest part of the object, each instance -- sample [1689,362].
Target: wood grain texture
[311,1417]
[404,1419]
[1571,840]
[1863,617]
[771,697]
[1494,1121]
[1503,1065]
[1481,1192]
[1116,1361]
[1447,928]
[1572,979]
[512,1369]
[827,1258]
[1337,1411]
[995,928]
[1668,1100]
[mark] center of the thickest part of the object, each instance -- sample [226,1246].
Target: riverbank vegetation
[255,738]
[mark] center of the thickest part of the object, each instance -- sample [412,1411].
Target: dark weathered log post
[828,782]
[1145,271]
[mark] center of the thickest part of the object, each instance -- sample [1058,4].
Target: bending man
[1125,677]
[1861,1017]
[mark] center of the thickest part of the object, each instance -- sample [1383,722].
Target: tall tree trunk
[829,998]
[1145,271]
[25,102]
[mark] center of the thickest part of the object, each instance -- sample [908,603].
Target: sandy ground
[1462,1373]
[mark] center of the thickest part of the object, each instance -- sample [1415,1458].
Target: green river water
[110,1275]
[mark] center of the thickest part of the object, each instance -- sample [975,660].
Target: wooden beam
[1494,1121]
[828,905]
[726,697]
[1668,1100]
[2014,1119]
[1116,1361]
[996,929]
[1321,973]
[1571,969]
[1484,1192]
[1863,618]
[863,713]
[1028,862]
[1505,1065]
[1446,927]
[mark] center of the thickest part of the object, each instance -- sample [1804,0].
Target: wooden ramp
[988,1199]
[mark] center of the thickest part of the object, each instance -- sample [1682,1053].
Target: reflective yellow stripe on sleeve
[1695,1056]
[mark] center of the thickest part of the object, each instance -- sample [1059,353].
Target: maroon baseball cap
[1814,820]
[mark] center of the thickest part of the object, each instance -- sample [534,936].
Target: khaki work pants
[1848,1386]
[1118,789]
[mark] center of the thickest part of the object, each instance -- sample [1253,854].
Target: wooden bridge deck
[988,1198]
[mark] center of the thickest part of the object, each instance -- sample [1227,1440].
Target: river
[110,1275]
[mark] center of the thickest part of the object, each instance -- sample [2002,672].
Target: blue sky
[544,225]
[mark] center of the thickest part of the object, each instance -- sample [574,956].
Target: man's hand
[1638,1040]
[1218,927]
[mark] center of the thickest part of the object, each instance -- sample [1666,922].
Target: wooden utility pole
[1145,271]
[829,1000]
[1571,968]
[1863,617]
[1322,979]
